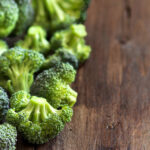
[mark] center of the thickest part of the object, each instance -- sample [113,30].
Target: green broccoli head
[3,47]
[4,104]
[53,84]
[41,15]
[35,40]
[26,16]
[61,55]
[8,137]
[19,66]
[64,13]
[19,100]
[38,121]
[73,40]
[8,17]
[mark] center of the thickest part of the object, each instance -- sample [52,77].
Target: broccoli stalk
[20,77]
[38,109]
[19,66]
[64,13]
[54,85]
[41,16]
[38,121]
[72,39]
[58,16]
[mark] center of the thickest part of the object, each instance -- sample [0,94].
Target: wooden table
[113,108]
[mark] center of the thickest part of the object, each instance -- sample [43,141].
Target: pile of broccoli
[42,44]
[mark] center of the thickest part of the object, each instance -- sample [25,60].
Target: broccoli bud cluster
[15,16]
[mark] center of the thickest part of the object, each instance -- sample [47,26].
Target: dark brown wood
[113,108]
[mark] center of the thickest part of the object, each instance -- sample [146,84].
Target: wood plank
[113,108]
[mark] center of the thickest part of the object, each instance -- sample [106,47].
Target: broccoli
[26,16]
[8,16]
[41,15]
[19,100]
[3,47]
[53,84]
[19,66]
[35,40]
[4,104]
[63,13]
[36,119]
[8,137]
[3,80]
[73,40]
[61,55]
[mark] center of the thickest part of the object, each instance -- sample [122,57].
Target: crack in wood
[126,23]
[128,9]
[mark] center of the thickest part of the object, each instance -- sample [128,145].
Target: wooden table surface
[113,108]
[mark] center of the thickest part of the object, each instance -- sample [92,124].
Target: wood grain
[113,108]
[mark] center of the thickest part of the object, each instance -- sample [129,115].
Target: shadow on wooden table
[24,145]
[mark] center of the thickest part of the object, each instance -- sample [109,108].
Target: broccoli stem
[41,13]
[28,110]
[43,112]
[2,16]
[55,9]
[39,109]
[71,96]
[20,79]
[50,109]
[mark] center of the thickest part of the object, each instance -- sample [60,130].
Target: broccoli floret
[61,55]
[63,13]
[41,15]
[38,121]
[53,84]
[26,16]
[35,40]
[73,40]
[3,47]
[19,100]
[4,104]
[8,16]
[8,137]
[19,66]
